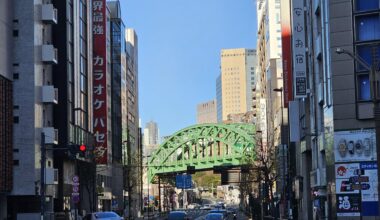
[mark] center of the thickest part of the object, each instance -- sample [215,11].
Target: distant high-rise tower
[151,134]
[236,81]
[206,112]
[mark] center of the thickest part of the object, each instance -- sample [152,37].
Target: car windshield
[177,216]
[214,216]
[101,215]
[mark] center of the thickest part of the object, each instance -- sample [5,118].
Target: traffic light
[82,150]
[76,149]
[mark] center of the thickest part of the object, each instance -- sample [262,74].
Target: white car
[103,216]
[206,207]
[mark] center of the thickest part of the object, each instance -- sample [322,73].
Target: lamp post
[373,91]
[284,151]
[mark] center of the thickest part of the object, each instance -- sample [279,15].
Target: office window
[15,33]
[367,27]
[365,5]
[363,88]
[15,76]
[365,52]
[15,119]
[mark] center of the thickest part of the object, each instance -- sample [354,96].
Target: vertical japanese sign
[299,51]
[100,80]
[286,34]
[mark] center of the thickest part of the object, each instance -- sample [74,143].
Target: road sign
[183,181]
[75,198]
[75,179]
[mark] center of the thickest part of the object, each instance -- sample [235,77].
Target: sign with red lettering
[286,35]
[100,80]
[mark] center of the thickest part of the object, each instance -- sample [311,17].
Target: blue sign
[183,181]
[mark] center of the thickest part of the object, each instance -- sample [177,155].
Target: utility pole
[42,181]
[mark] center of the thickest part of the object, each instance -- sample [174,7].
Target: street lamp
[284,155]
[373,90]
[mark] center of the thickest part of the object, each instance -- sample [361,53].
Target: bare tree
[265,164]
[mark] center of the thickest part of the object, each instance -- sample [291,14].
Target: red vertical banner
[286,35]
[100,79]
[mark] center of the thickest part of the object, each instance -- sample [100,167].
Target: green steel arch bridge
[203,147]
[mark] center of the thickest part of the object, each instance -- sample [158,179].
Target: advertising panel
[286,35]
[100,80]
[369,193]
[357,181]
[355,146]
[299,51]
[348,204]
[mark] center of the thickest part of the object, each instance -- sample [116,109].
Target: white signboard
[355,146]
[299,49]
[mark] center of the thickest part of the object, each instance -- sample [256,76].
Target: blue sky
[179,47]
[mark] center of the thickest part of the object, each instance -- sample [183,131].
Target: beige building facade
[236,81]
[206,112]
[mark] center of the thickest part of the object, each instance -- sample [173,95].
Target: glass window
[83,83]
[363,87]
[365,52]
[367,27]
[364,5]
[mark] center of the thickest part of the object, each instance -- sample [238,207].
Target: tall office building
[355,29]
[206,112]
[74,113]
[151,134]
[135,148]
[118,103]
[269,108]
[269,71]
[34,99]
[219,106]
[6,103]
[313,124]
[236,81]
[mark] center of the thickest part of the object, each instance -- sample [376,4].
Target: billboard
[356,189]
[286,35]
[183,181]
[355,146]
[100,79]
[299,49]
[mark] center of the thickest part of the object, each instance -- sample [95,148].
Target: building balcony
[49,94]
[49,54]
[49,14]
[51,135]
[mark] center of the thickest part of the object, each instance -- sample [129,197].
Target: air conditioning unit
[49,94]
[315,177]
[51,135]
[49,14]
[318,177]
[49,54]
[51,176]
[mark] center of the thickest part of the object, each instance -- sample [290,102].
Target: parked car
[102,216]
[220,211]
[206,207]
[178,215]
[215,216]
